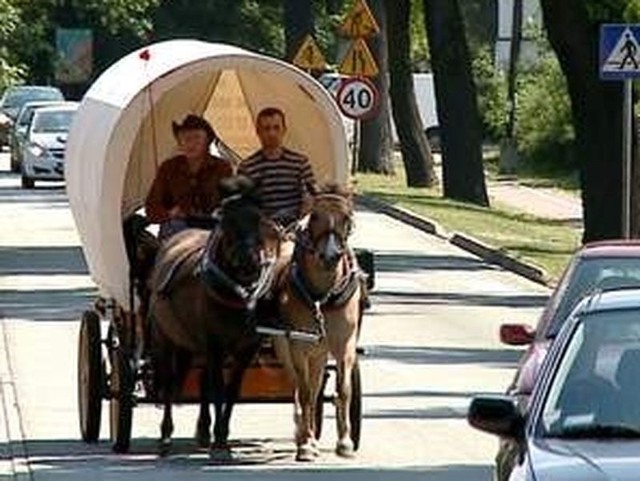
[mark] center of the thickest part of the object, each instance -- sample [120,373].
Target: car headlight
[37,150]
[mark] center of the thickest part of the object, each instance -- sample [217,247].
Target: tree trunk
[298,23]
[456,98]
[376,149]
[597,116]
[416,154]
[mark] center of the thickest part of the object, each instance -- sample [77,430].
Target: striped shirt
[281,183]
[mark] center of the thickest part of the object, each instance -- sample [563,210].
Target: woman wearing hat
[186,186]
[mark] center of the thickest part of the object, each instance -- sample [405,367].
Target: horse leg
[219,449]
[243,361]
[203,433]
[166,361]
[305,438]
[317,366]
[344,447]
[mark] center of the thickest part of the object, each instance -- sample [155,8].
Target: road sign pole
[627,157]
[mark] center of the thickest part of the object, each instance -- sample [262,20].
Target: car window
[18,97]
[596,382]
[587,275]
[52,122]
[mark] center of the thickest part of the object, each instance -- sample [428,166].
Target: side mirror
[516,334]
[497,415]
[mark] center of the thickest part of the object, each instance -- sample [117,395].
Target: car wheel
[28,182]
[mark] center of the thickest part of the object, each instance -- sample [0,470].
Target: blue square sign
[620,52]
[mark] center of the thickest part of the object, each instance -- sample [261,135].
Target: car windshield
[26,115]
[52,121]
[595,391]
[17,98]
[585,276]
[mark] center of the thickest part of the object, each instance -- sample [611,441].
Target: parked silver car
[20,128]
[45,142]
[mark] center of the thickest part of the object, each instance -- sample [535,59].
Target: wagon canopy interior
[122,131]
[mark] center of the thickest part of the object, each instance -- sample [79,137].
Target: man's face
[193,143]
[271,131]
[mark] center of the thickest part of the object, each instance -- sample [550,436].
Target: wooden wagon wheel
[90,376]
[121,403]
[355,409]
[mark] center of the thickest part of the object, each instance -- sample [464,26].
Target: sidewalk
[541,202]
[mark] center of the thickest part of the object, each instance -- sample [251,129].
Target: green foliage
[545,131]
[11,72]
[419,47]
[601,11]
[491,86]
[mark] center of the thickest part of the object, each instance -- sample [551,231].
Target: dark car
[584,417]
[602,265]
[13,100]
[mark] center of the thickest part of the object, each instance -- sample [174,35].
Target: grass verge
[546,243]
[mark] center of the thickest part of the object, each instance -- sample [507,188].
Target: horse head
[330,224]
[248,241]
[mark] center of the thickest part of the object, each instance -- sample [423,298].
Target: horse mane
[336,194]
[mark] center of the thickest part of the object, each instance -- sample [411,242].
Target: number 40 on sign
[358,98]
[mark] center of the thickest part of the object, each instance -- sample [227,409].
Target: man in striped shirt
[284,179]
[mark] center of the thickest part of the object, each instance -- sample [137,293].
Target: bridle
[223,287]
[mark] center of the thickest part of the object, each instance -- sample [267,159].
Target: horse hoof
[203,438]
[345,449]
[164,448]
[220,453]
[307,453]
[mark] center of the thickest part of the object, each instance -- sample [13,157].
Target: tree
[375,153]
[572,28]
[416,154]
[456,98]
[298,23]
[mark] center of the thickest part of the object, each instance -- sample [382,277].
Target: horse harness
[336,297]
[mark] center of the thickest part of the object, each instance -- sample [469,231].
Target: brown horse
[321,292]
[204,291]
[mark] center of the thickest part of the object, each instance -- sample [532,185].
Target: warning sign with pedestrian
[620,52]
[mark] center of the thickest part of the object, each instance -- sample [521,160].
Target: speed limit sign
[358,98]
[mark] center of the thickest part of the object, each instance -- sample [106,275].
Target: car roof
[18,88]
[611,248]
[61,107]
[612,300]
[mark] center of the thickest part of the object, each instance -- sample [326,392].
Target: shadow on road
[495,358]
[458,298]
[392,262]
[70,460]
[45,304]
[42,261]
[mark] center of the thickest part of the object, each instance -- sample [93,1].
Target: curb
[403,215]
[485,252]
[12,430]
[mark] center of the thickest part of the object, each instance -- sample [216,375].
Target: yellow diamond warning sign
[359,61]
[360,22]
[309,56]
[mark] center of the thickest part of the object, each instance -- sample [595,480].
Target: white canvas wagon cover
[122,131]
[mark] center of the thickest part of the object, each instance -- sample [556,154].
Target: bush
[544,126]
[491,84]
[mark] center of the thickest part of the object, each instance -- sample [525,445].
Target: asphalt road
[431,341]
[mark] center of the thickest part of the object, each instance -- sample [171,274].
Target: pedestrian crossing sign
[620,52]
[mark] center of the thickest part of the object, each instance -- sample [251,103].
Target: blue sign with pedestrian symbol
[620,52]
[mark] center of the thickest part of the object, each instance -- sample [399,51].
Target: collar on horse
[223,287]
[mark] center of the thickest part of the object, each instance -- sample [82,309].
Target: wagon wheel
[121,404]
[355,409]
[320,406]
[90,377]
